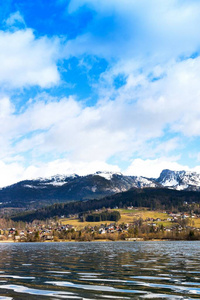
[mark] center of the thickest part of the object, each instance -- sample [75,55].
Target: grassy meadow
[127,216]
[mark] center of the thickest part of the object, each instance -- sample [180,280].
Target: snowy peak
[180,180]
[111,182]
[134,181]
[106,175]
[39,192]
[62,188]
[127,181]
[58,180]
[143,182]
[168,178]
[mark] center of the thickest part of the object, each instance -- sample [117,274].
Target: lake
[98,270]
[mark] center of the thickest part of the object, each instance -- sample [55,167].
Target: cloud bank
[146,112]
[28,61]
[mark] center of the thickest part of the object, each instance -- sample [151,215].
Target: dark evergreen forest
[155,199]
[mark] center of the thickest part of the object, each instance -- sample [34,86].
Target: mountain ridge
[180,180]
[31,194]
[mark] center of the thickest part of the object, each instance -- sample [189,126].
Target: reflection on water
[111,270]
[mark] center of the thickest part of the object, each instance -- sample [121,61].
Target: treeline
[154,199]
[8,223]
[101,216]
[143,232]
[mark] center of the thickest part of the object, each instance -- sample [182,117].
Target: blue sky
[98,85]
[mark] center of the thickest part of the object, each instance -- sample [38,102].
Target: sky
[96,85]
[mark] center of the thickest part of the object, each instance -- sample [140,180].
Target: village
[167,226]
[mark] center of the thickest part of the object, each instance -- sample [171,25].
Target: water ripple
[88,271]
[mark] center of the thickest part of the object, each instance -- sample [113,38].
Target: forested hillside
[152,198]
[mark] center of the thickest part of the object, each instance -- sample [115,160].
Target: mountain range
[60,188]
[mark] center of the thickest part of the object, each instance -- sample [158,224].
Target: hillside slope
[153,198]
[37,193]
[30,194]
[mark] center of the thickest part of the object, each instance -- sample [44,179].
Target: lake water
[110,270]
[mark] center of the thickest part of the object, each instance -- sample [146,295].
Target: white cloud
[85,136]
[151,106]
[6,108]
[132,125]
[64,166]
[148,39]
[14,172]
[161,93]
[63,126]
[156,29]
[174,100]
[123,127]
[26,60]
[156,35]
[14,19]
[152,168]
[10,173]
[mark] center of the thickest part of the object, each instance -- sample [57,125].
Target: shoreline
[96,241]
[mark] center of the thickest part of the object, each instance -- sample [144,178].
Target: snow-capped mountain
[115,182]
[56,180]
[45,191]
[62,188]
[180,180]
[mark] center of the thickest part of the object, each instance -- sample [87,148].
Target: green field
[127,216]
